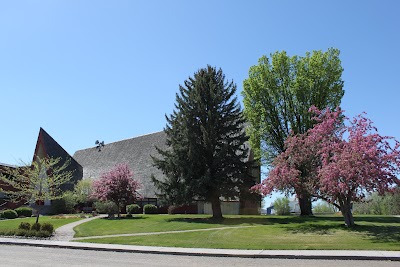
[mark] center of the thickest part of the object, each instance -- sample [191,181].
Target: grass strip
[269,232]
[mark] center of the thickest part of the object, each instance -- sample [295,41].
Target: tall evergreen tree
[206,158]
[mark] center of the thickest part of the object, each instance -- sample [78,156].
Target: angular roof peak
[46,146]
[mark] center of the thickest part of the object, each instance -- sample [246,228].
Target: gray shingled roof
[136,152]
[8,165]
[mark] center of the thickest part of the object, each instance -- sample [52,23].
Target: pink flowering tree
[341,161]
[117,185]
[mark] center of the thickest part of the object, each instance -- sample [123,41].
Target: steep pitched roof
[46,146]
[136,152]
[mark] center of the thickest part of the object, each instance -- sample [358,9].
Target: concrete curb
[272,254]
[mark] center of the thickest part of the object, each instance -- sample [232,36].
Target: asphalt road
[11,255]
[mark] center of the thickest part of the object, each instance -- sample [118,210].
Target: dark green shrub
[42,234]
[24,211]
[26,233]
[24,226]
[133,209]
[35,227]
[10,214]
[20,232]
[150,209]
[48,227]
[10,232]
[65,205]
[58,207]
[128,216]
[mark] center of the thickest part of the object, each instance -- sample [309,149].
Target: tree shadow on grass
[379,228]
[375,228]
[379,233]
[319,229]
[257,220]
[123,218]
[377,219]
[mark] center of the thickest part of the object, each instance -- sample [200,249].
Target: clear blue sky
[109,70]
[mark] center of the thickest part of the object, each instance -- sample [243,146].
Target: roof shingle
[136,152]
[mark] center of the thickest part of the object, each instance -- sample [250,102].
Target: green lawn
[269,232]
[56,221]
[152,223]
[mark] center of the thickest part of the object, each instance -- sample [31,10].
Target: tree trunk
[38,209]
[37,216]
[305,205]
[216,208]
[347,214]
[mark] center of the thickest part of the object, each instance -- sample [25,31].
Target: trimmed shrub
[150,209]
[31,233]
[26,233]
[24,226]
[24,211]
[48,227]
[133,209]
[20,232]
[183,209]
[42,234]
[107,207]
[35,227]
[128,216]
[10,214]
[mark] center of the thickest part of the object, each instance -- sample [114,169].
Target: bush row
[47,227]
[28,230]
[109,207]
[18,212]
[26,233]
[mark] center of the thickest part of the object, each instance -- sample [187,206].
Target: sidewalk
[66,232]
[279,254]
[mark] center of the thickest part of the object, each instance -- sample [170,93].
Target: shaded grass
[269,232]
[6,225]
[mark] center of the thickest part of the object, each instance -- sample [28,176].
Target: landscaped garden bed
[11,227]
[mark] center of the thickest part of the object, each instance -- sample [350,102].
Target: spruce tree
[206,157]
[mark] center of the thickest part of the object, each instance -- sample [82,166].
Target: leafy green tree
[277,96]
[206,158]
[388,204]
[37,182]
[83,191]
[281,206]
[64,205]
[324,208]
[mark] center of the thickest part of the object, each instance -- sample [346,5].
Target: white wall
[227,207]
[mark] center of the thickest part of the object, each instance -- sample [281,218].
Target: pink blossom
[117,185]
[338,160]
